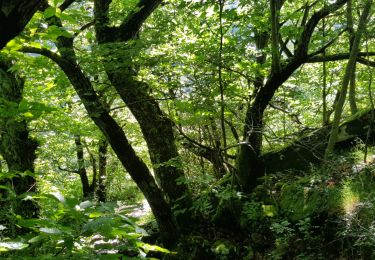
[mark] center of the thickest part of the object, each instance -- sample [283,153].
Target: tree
[16,145]
[102,162]
[249,167]
[349,71]
[184,78]
[14,15]
[98,112]
[156,127]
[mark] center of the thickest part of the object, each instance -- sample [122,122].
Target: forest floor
[326,212]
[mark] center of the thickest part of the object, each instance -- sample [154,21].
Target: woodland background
[190,129]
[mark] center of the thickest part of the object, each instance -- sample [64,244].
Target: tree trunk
[87,192]
[102,152]
[14,15]
[121,146]
[348,72]
[156,127]
[275,7]
[115,136]
[16,146]
[249,165]
[309,149]
[349,18]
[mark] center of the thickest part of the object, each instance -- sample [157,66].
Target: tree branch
[284,48]
[44,52]
[134,21]
[14,15]
[328,44]
[192,140]
[65,5]
[84,27]
[304,40]
[366,62]
[342,56]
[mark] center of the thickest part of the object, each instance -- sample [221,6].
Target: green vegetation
[185,129]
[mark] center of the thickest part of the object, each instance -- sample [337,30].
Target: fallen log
[309,149]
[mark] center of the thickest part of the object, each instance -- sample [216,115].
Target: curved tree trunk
[156,127]
[249,165]
[114,134]
[14,15]
[121,146]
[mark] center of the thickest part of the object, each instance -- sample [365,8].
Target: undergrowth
[325,213]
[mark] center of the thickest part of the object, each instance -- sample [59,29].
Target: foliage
[203,66]
[69,228]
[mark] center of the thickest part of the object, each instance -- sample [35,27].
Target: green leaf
[35,45]
[110,257]
[51,231]
[86,204]
[35,239]
[32,223]
[12,246]
[58,196]
[96,214]
[102,226]
[28,115]
[148,247]
[67,17]
[54,32]
[14,44]
[49,12]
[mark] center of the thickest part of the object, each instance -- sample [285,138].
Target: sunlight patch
[350,199]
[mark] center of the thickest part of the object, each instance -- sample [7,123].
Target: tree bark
[352,96]
[102,153]
[156,127]
[14,16]
[16,146]
[275,7]
[114,134]
[81,170]
[121,146]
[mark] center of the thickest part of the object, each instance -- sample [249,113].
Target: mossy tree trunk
[16,146]
[114,134]
[309,148]
[157,128]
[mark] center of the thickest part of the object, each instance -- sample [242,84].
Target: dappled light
[350,199]
[169,129]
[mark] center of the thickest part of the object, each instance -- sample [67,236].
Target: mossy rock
[298,201]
